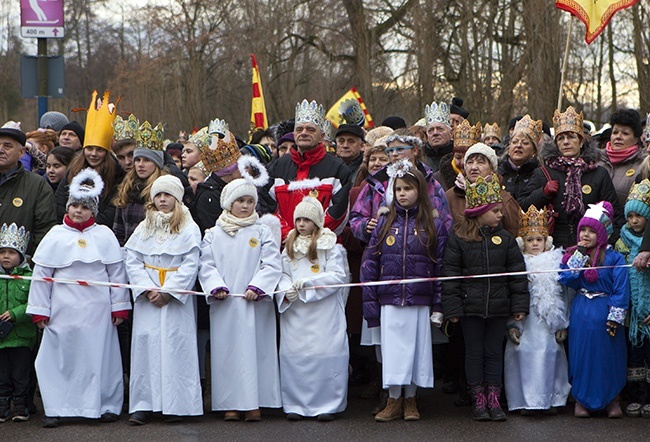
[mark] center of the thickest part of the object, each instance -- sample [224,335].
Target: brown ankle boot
[394,410]
[411,412]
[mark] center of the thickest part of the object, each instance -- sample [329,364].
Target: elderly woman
[465,136]
[574,180]
[480,160]
[624,151]
[518,165]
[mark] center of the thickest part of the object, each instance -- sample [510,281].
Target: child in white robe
[78,366]
[314,351]
[163,252]
[240,267]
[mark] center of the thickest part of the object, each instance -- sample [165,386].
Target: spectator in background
[72,136]
[53,120]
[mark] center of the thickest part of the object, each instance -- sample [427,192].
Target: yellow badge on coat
[497,240]
[586,189]
[390,240]
[630,172]
[314,193]
[17,202]
[253,242]
[315,268]
[82,243]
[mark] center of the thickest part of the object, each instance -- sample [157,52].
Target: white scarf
[231,224]
[157,224]
[325,241]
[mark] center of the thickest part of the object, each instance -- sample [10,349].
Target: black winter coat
[498,252]
[515,181]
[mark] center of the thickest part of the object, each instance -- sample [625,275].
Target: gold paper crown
[530,127]
[99,122]
[14,238]
[466,135]
[220,153]
[534,222]
[125,129]
[219,127]
[437,113]
[568,121]
[310,112]
[484,191]
[352,113]
[491,130]
[150,138]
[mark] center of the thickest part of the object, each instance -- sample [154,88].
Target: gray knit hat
[53,120]
[156,156]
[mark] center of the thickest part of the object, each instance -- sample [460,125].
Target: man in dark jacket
[439,136]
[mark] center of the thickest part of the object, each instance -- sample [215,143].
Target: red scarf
[307,159]
[79,226]
[618,156]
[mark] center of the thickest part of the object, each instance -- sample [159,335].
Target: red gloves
[551,188]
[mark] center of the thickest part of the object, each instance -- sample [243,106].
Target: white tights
[395,391]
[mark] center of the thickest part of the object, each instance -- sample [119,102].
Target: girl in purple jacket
[408,243]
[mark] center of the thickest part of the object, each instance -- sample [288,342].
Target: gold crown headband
[466,135]
[568,121]
[534,221]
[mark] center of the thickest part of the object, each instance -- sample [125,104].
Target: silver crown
[437,113]
[14,238]
[351,112]
[219,127]
[328,129]
[310,112]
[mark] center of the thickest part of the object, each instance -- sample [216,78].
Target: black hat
[512,123]
[351,129]
[16,134]
[174,146]
[546,129]
[76,128]
[394,122]
[456,107]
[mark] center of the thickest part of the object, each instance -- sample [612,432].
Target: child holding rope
[597,353]
[478,246]
[163,252]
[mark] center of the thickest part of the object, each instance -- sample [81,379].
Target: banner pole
[564,63]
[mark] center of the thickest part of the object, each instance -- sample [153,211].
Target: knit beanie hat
[638,199]
[53,120]
[156,156]
[599,218]
[76,128]
[85,189]
[235,189]
[484,150]
[168,184]
[311,209]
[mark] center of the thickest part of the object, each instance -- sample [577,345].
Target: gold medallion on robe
[315,268]
[82,243]
[497,240]
[586,189]
[314,193]
[630,172]
[253,242]
[390,240]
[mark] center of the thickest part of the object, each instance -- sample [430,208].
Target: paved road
[440,421]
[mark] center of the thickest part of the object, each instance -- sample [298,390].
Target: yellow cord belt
[162,272]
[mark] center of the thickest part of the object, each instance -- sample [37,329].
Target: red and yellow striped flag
[258,109]
[336,119]
[594,14]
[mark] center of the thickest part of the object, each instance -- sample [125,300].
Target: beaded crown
[219,127]
[328,130]
[466,135]
[568,121]
[125,129]
[13,237]
[99,122]
[150,137]
[351,112]
[638,200]
[310,112]
[483,191]
[534,222]
[201,138]
[221,152]
[492,130]
[530,127]
[437,113]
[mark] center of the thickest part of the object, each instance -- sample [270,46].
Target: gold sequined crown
[150,137]
[483,192]
[125,129]
[437,113]
[534,222]
[568,121]
[201,139]
[491,130]
[99,122]
[14,238]
[310,112]
[466,135]
[220,153]
[530,127]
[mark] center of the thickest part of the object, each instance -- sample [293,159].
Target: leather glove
[560,336]
[513,334]
[298,284]
[551,188]
[291,295]
[436,319]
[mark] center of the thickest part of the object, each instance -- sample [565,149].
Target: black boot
[493,405]
[5,411]
[479,402]
[21,413]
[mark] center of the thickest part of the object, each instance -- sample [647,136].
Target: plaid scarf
[574,168]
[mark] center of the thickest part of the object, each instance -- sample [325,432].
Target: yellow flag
[258,109]
[335,117]
[595,14]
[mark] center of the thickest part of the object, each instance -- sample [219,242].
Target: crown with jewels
[219,127]
[483,192]
[638,200]
[201,138]
[466,135]
[221,152]
[352,113]
[150,137]
[534,222]
[531,128]
[568,121]
[99,122]
[125,129]
[491,130]
[310,112]
[14,237]
[329,131]
[437,113]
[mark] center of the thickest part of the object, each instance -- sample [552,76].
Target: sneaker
[139,418]
[394,410]
[253,416]
[108,418]
[411,412]
[645,411]
[325,417]
[50,422]
[294,417]
[5,412]
[633,409]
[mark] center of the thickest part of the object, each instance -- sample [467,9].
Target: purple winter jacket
[405,258]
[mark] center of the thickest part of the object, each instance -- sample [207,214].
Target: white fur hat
[85,189]
[168,184]
[486,151]
[311,209]
[235,189]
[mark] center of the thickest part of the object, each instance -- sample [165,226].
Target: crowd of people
[308,260]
